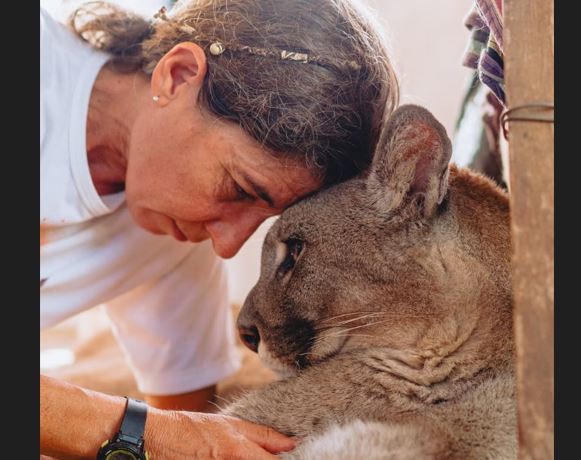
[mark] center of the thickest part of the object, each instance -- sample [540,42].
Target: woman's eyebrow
[259,190]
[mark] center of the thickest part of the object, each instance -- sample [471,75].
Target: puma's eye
[294,248]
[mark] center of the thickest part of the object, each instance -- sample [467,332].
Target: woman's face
[193,176]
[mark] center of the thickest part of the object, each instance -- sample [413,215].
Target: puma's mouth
[282,369]
[323,347]
[328,343]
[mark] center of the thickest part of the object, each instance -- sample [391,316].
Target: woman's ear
[183,67]
[410,165]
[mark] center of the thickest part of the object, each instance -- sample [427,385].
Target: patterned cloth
[485,49]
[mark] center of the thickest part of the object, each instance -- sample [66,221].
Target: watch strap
[133,424]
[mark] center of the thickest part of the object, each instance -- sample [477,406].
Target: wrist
[74,421]
[109,411]
[155,428]
[128,441]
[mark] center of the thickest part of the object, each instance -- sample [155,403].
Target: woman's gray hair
[328,113]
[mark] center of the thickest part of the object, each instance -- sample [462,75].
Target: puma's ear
[411,162]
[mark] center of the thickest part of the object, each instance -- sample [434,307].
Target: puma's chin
[269,360]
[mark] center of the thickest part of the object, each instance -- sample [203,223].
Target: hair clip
[294,56]
[187,29]
[161,14]
[217,48]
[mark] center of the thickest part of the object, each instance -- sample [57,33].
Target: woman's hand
[74,422]
[178,435]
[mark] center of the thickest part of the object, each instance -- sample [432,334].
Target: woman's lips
[177,233]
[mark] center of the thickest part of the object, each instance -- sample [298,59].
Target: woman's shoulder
[49,27]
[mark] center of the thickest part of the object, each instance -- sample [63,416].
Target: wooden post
[529,53]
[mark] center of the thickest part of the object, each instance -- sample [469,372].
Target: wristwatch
[127,444]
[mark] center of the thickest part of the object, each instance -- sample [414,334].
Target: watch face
[119,450]
[121,454]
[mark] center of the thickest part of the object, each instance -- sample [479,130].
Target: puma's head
[412,257]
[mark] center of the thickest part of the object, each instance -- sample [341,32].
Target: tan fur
[394,319]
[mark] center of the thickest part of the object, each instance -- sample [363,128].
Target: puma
[384,303]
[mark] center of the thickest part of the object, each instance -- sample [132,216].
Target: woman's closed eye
[241,194]
[231,190]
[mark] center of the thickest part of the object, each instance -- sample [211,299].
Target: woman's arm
[74,422]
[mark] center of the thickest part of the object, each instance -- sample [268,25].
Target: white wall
[428,39]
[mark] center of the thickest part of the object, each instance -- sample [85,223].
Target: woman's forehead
[279,179]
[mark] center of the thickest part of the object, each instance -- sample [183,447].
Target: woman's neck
[113,107]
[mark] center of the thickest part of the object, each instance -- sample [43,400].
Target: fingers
[258,453]
[264,436]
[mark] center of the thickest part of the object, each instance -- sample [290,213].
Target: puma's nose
[250,337]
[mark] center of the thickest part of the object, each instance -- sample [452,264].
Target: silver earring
[155,98]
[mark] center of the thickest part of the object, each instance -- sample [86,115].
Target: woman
[194,126]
